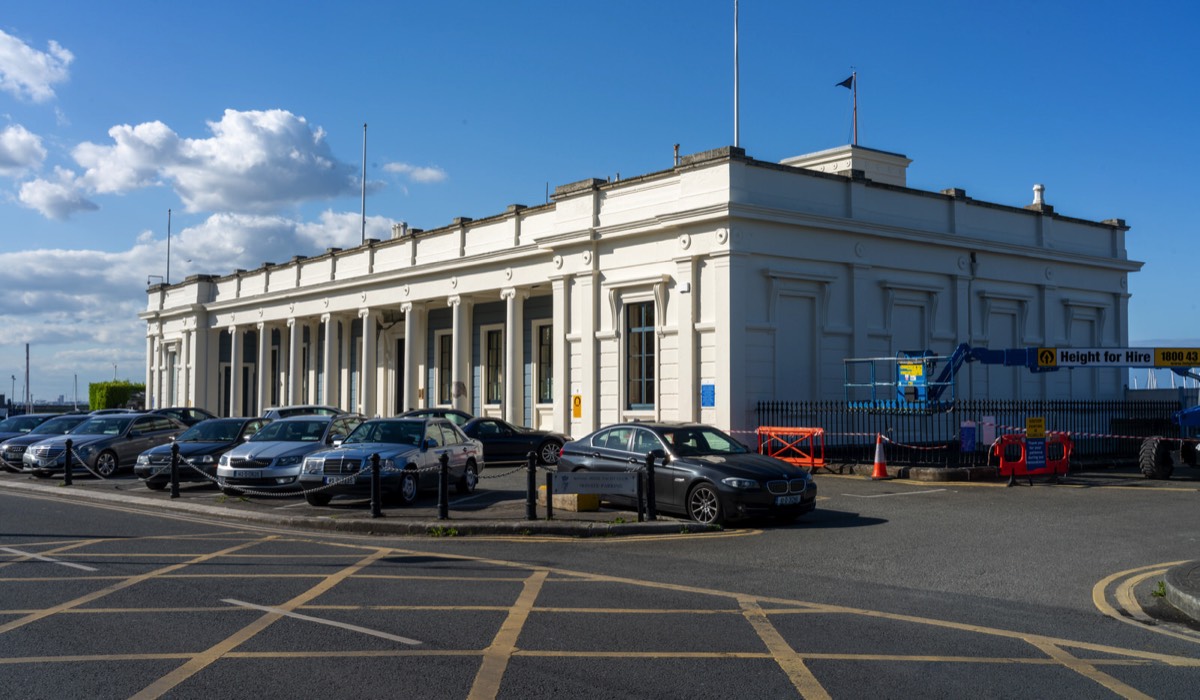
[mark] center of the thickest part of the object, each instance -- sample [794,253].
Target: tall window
[639,355]
[494,366]
[545,363]
[445,359]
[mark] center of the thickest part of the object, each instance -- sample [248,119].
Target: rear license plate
[246,474]
[787,500]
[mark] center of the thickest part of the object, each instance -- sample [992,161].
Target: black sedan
[453,415]
[504,442]
[187,415]
[699,471]
[105,443]
[12,450]
[200,446]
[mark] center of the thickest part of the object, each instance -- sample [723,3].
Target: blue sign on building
[708,396]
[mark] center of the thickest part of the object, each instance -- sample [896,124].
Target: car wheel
[548,452]
[704,505]
[156,485]
[318,499]
[467,482]
[408,487]
[106,463]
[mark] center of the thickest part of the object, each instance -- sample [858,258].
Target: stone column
[460,348]
[561,386]
[327,366]
[235,372]
[367,369]
[293,374]
[688,369]
[185,368]
[514,331]
[263,376]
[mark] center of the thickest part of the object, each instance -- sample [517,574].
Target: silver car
[270,460]
[104,443]
[409,449]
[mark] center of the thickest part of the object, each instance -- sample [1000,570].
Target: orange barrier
[1012,453]
[803,447]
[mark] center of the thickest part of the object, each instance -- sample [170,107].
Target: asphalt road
[892,589]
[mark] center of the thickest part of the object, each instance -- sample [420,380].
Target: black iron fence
[1103,431]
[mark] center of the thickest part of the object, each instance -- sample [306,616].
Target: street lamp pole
[114,371]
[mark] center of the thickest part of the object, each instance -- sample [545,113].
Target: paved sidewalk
[494,509]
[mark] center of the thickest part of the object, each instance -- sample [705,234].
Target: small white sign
[620,483]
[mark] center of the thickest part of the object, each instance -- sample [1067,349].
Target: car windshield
[213,431]
[104,425]
[292,431]
[698,440]
[20,424]
[392,432]
[58,426]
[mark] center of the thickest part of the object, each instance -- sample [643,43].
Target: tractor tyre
[1154,459]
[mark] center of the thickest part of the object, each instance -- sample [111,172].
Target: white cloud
[56,199]
[20,151]
[28,73]
[417,173]
[255,162]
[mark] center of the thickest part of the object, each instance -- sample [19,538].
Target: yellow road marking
[55,552]
[95,595]
[1088,670]
[1125,596]
[496,656]
[323,621]
[210,655]
[806,683]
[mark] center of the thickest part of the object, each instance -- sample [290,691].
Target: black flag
[848,83]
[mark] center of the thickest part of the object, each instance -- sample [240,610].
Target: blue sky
[245,119]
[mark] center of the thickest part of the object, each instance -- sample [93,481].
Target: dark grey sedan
[699,471]
[104,443]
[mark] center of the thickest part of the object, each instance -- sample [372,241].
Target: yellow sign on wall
[1035,427]
[577,406]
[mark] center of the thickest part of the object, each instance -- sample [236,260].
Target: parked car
[13,449]
[270,460]
[453,415]
[409,451]
[699,471]
[112,411]
[288,411]
[200,446]
[504,442]
[15,426]
[104,443]
[185,414]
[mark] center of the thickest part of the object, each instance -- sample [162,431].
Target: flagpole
[736,105]
[854,83]
[364,186]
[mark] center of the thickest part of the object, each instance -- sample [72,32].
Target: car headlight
[224,461]
[740,483]
[205,459]
[313,466]
[385,465]
[143,459]
[288,461]
[86,451]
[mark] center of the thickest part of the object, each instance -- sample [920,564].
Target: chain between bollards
[67,465]
[174,470]
[376,488]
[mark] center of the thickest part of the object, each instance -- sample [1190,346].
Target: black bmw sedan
[699,471]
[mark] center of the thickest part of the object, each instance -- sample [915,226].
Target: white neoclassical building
[691,293]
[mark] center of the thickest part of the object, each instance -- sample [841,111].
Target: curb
[386,526]
[1182,584]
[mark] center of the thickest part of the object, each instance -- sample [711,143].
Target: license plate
[339,480]
[787,500]
[246,474]
[46,461]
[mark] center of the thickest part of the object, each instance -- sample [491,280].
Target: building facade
[686,294]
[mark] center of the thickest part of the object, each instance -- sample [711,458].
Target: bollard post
[531,487]
[641,499]
[376,488]
[67,463]
[651,505]
[174,470]
[549,496]
[444,486]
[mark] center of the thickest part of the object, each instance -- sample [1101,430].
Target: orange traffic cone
[880,467]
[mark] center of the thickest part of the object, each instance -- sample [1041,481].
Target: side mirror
[336,440]
[660,456]
[428,443]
